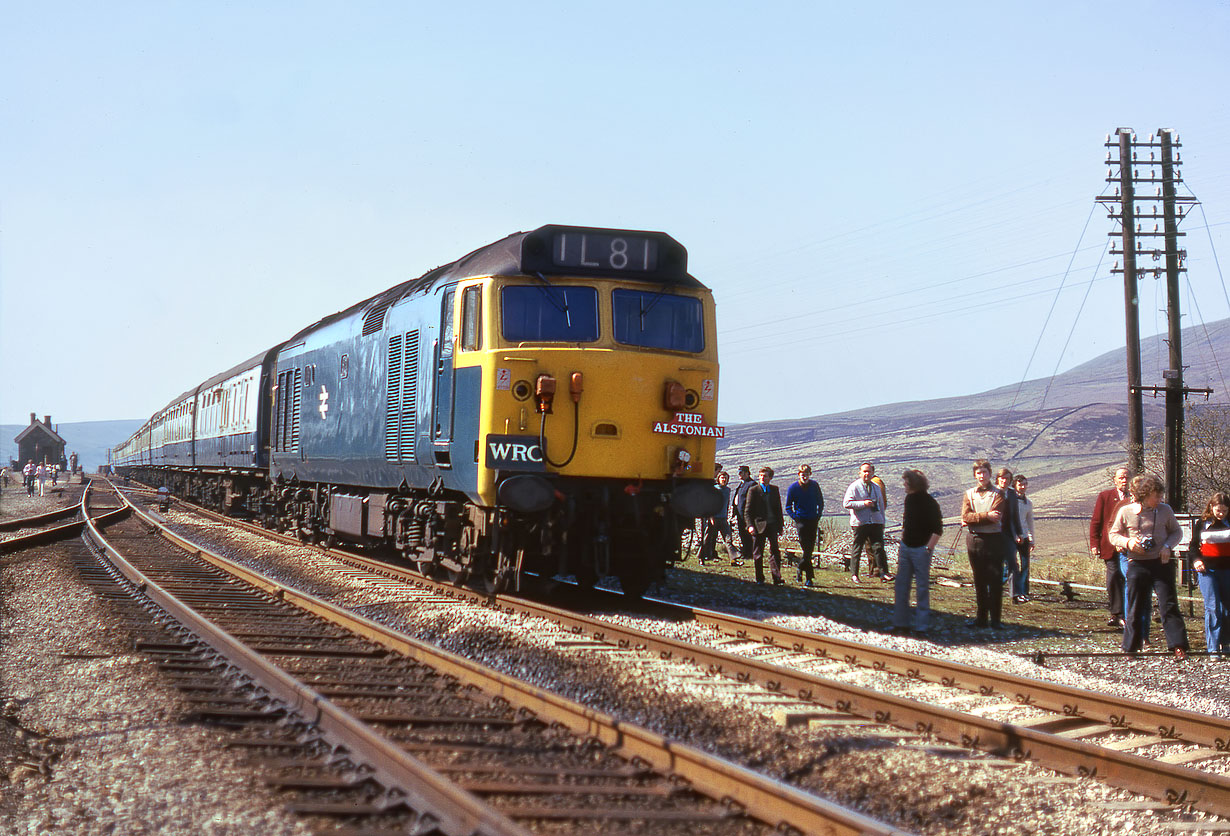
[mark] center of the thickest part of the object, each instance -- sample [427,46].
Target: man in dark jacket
[1104,510]
[763,520]
[1011,522]
[738,501]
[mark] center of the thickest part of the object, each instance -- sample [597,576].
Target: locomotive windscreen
[549,313]
[659,320]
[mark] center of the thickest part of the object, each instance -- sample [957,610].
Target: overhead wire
[1025,374]
[758,344]
[1222,280]
[1072,330]
[776,321]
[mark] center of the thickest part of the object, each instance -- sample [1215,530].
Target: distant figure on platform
[865,502]
[1025,545]
[40,476]
[718,526]
[27,474]
[763,519]
[738,502]
[4,476]
[804,505]
[982,513]
[1211,563]
[1147,532]
[922,523]
[1104,510]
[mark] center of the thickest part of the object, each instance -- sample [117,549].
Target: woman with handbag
[1211,563]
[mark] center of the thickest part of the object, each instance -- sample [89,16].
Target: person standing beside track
[1147,531]
[763,519]
[1012,522]
[718,526]
[1025,545]
[27,475]
[737,503]
[804,505]
[982,513]
[1211,563]
[878,571]
[865,502]
[1104,510]
[922,523]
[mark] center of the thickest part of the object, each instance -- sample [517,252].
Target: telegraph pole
[1132,230]
[1174,374]
[1125,196]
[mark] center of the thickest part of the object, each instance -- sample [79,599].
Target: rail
[760,797]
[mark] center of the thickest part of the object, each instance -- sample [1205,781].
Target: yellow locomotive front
[598,422]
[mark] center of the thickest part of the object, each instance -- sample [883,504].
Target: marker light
[674,396]
[544,392]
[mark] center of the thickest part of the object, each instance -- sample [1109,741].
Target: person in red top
[1104,510]
[1212,567]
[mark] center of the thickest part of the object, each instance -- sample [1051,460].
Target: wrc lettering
[510,452]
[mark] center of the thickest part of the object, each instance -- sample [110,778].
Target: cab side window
[471,319]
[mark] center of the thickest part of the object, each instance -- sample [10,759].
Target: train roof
[221,376]
[549,250]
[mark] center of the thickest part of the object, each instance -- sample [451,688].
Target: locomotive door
[442,412]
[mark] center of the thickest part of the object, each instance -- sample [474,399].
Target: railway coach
[545,404]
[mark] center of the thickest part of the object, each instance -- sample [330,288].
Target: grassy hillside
[1065,433]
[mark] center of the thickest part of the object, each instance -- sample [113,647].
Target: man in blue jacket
[805,504]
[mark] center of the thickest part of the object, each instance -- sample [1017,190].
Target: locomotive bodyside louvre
[351,399]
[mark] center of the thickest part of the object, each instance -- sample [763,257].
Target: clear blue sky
[877,193]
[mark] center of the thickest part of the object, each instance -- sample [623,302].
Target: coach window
[471,319]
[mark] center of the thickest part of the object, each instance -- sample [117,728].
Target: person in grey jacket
[865,502]
[1147,530]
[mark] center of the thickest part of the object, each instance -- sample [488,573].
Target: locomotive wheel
[497,584]
[633,550]
[586,576]
[502,579]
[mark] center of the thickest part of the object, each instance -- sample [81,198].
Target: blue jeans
[1215,589]
[1147,610]
[1018,567]
[913,562]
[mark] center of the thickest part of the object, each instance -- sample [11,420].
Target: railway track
[437,738]
[1133,745]
[25,532]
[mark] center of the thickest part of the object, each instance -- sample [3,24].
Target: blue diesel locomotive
[545,404]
